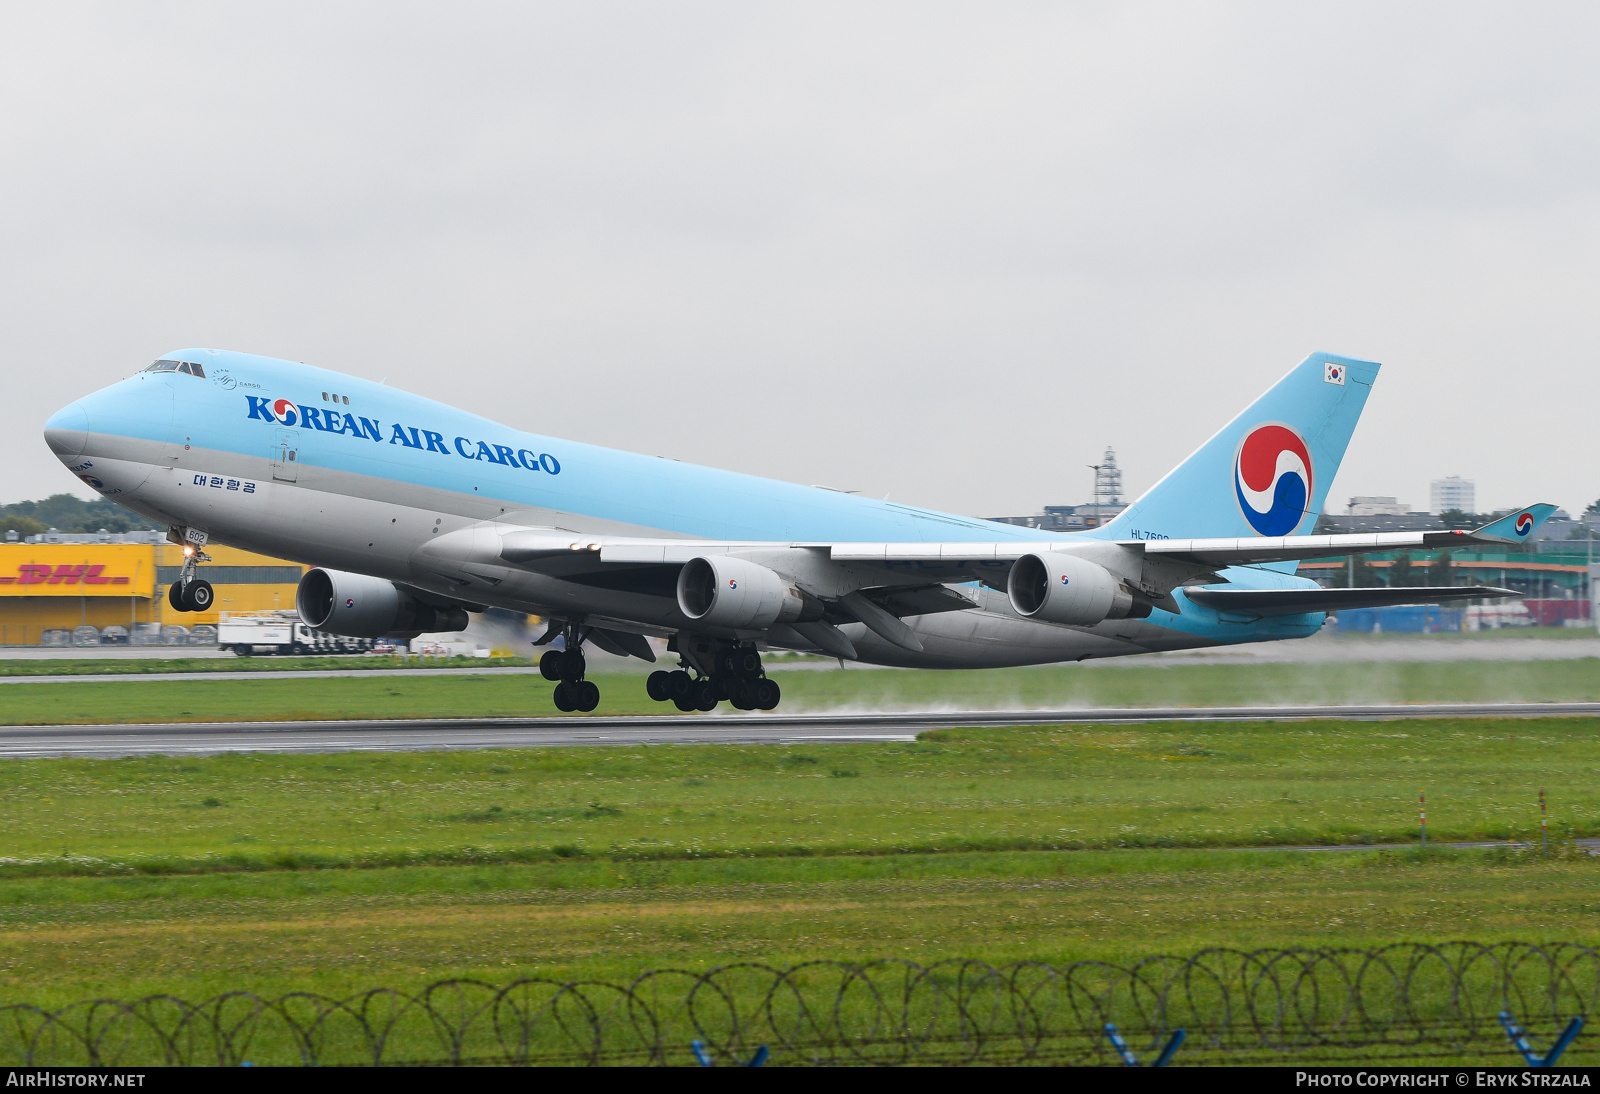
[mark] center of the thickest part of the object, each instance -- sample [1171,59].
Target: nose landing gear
[567,667]
[190,593]
[194,595]
[736,675]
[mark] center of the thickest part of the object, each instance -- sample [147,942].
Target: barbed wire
[1404,1002]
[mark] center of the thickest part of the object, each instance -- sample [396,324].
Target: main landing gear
[567,667]
[190,593]
[735,675]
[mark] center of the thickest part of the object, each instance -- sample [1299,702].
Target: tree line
[67,513]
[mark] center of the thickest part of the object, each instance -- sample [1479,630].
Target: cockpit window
[189,367]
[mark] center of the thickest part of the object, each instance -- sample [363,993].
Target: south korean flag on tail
[1333,373]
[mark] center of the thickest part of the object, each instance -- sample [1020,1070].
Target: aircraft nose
[67,432]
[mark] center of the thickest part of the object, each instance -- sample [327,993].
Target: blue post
[700,1053]
[1519,1037]
[1173,1044]
[1130,1060]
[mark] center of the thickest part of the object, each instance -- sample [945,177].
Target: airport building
[1377,507]
[1452,492]
[66,582]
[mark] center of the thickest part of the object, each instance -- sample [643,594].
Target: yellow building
[61,586]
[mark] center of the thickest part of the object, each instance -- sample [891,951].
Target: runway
[389,735]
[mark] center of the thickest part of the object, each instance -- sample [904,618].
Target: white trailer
[247,633]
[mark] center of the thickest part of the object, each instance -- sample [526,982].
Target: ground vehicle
[249,633]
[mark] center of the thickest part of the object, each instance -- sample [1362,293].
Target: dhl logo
[64,574]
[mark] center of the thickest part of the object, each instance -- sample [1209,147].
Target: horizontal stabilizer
[1516,526]
[1299,601]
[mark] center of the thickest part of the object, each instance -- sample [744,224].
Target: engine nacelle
[358,606]
[739,594]
[1063,588]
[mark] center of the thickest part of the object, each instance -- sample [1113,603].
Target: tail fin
[1267,472]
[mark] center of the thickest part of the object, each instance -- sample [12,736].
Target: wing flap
[921,599]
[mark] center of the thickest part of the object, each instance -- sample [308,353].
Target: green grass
[336,873]
[1072,787]
[142,666]
[524,694]
[340,931]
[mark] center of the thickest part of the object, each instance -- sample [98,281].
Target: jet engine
[358,606]
[1063,588]
[740,594]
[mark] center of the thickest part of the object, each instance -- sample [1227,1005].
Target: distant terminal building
[1377,507]
[1065,518]
[58,582]
[1452,492]
[1368,513]
[1342,523]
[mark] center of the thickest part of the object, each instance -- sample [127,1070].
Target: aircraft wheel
[706,695]
[586,696]
[685,705]
[572,666]
[175,597]
[680,685]
[563,698]
[550,664]
[767,695]
[658,685]
[200,596]
[746,661]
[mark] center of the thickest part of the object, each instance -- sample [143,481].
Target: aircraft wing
[1266,602]
[649,565]
[879,583]
[1516,527]
[933,556]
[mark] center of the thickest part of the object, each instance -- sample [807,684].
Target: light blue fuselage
[368,484]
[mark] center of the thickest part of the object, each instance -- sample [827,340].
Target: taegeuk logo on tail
[1272,479]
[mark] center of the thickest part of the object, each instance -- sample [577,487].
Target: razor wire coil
[1403,1002]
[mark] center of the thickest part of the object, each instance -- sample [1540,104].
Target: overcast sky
[946,253]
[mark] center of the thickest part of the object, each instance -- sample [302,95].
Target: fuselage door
[285,455]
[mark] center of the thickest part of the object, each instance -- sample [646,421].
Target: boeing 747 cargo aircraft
[414,514]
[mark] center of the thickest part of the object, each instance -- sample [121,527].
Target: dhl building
[61,586]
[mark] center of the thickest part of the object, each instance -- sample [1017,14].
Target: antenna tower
[1108,479]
